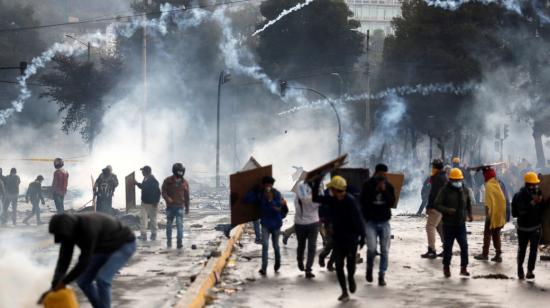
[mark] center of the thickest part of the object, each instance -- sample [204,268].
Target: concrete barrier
[195,296]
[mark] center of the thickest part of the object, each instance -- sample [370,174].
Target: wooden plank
[130,191]
[241,183]
[322,170]
[545,187]
[355,177]
[477,168]
[397,180]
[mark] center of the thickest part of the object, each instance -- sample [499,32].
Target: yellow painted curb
[195,296]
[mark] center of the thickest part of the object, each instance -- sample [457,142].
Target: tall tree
[79,89]
[432,45]
[320,35]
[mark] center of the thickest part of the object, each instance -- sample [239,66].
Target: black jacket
[150,190]
[93,233]
[437,182]
[450,197]
[34,192]
[347,224]
[528,213]
[377,205]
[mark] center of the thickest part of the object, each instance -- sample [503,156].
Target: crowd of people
[347,220]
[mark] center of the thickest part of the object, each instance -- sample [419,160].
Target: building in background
[375,14]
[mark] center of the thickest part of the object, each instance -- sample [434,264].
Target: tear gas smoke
[512,5]
[282,15]
[443,88]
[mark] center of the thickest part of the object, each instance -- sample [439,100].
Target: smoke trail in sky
[441,88]
[283,14]
[512,5]
[99,39]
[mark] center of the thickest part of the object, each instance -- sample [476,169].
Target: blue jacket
[270,211]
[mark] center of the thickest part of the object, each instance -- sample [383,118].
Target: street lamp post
[87,45]
[224,78]
[284,85]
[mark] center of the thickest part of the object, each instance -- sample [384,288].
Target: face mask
[457,184]
[180,174]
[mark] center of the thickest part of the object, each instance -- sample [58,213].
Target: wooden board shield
[355,177]
[397,180]
[545,187]
[321,171]
[130,191]
[241,183]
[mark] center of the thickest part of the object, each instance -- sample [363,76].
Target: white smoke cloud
[282,15]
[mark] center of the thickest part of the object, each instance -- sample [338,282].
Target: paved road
[412,281]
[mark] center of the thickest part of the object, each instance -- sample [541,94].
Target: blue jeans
[375,231]
[450,233]
[58,200]
[177,213]
[265,246]
[257,233]
[101,269]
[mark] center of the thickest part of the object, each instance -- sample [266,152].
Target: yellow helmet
[456,160]
[338,182]
[456,174]
[531,178]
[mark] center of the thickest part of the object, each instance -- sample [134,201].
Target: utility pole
[144,69]
[224,77]
[367,101]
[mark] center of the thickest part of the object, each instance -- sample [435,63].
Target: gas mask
[457,184]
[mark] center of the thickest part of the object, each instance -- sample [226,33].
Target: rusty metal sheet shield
[241,183]
[397,180]
[130,191]
[545,187]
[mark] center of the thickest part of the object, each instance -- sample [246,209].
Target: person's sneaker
[179,245]
[344,297]
[464,271]
[429,255]
[369,274]
[352,285]
[310,275]
[446,271]
[530,275]
[169,244]
[521,274]
[277,266]
[262,272]
[285,239]
[497,258]
[330,267]
[301,266]
[26,222]
[381,280]
[440,255]
[258,241]
[153,237]
[481,257]
[142,237]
